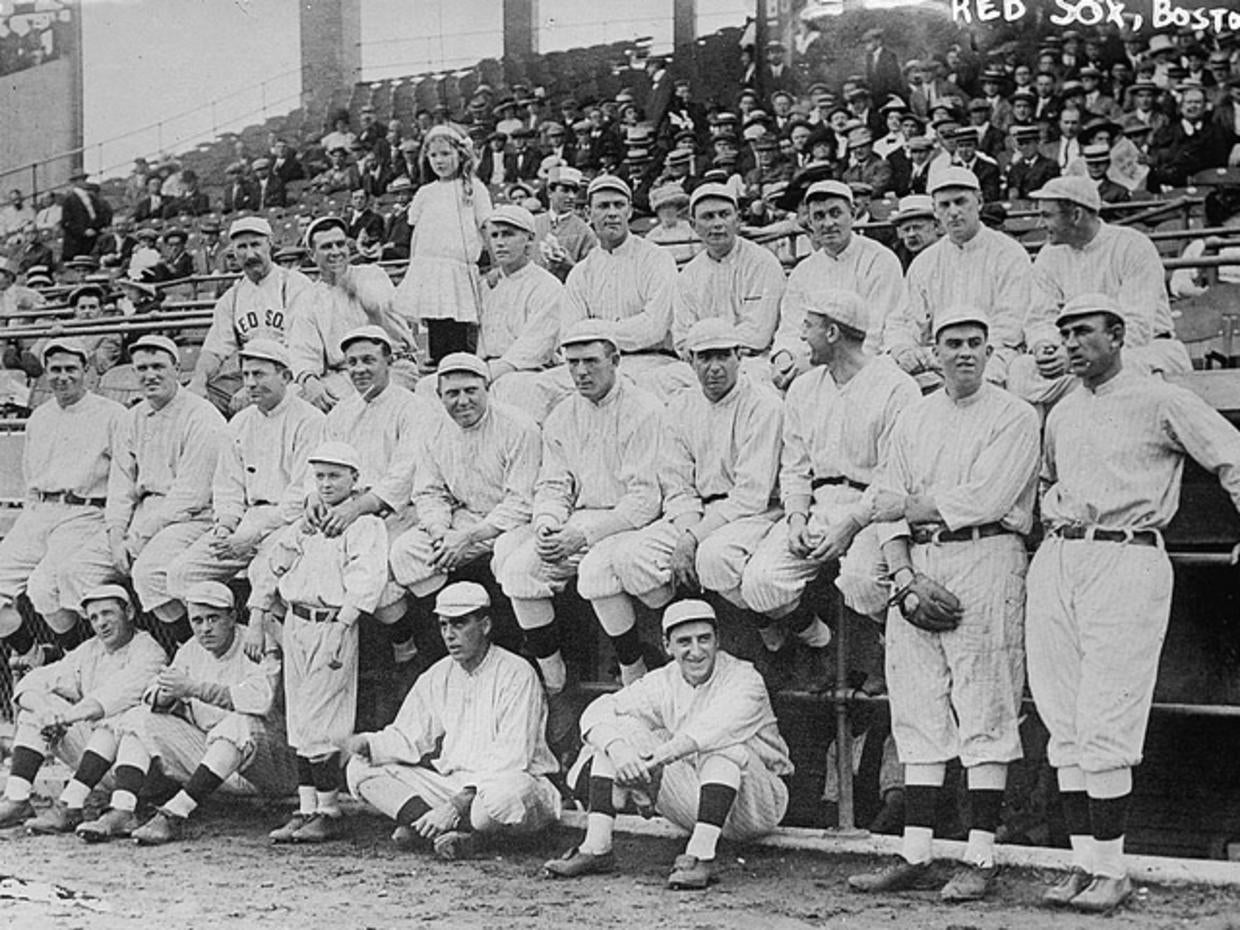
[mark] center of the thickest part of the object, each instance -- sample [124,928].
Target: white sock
[75,794]
[817,635]
[702,841]
[981,849]
[1083,853]
[182,805]
[597,840]
[773,636]
[1109,858]
[327,803]
[555,673]
[916,847]
[307,798]
[17,789]
[124,801]
[630,673]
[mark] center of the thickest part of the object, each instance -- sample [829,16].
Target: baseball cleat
[285,833]
[456,844]
[575,863]
[160,829]
[15,813]
[689,873]
[110,825]
[1104,894]
[320,829]
[1063,891]
[901,875]
[56,819]
[406,837]
[969,883]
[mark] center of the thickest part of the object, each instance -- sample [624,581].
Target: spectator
[285,164]
[34,251]
[84,214]
[192,200]
[153,205]
[271,192]
[1188,144]
[360,218]
[341,136]
[882,70]
[340,175]
[135,184]
[15,216]
[48,220]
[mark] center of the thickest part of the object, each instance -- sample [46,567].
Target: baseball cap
[820,190]
[609,182]
[589,330]
[844,307]
[369,333]
[687,611]
[105,592]
[66,344]
[957,315]
[913,206]
[155,343]
[267,349]
[704,191]
[210,594]
[668,195]
[954,176]
[1072,188]
[249,224]
[565,174]
[513,215]
[463,362]
[712,333]
[1093,302]
[323,222]
[337,453]
[461,598]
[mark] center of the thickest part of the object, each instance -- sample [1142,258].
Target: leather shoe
[689,873]
[15,813]
[1063,891]
[56,819]
[456,844]
[901,875]
[1104,894]
[575,863]
[285,833]
[109,825]
[969,883]
[160,829]
[319,829]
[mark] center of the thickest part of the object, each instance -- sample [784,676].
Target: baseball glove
[54,732]
[928,605]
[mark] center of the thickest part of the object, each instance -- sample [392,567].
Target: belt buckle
[1089,533]
[1129,536]
[936,536]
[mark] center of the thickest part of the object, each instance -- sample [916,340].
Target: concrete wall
[39,121]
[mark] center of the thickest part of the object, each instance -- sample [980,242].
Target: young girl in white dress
[441,287]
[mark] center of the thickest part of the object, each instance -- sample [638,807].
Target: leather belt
[923,535]
[836,479]
[1100,534]
[68,497]
[1164,335]
[314,614]
[712,498]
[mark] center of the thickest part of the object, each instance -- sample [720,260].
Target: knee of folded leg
[237,729]
[10,619]
[723,765]
[595,581]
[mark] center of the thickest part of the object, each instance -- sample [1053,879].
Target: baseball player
[843,261]
[838,419]
[210,719]
[324,583]
[60,708]
[261,470]
[972,265]
[480,710]
[1087,256]
[1099,592]
[563,237]
[956,494]
[474,481]
[259,305]
[384,423]
[159,488]
[344,298]
[57,549]
[698,738]
[599,477]
[720,460]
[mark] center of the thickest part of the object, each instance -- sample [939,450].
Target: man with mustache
[259,305]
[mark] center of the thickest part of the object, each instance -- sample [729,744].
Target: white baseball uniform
[1097,611]
[488,728]
[834,439]
[744,287]
[67,450]
[484,474]
[256,311]
[957,694]
[520,325]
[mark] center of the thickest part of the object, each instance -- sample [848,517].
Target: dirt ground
[226,875]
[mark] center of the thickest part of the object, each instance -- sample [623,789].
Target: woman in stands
[441,286]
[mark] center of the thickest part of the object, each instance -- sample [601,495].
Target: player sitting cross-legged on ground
[208,720]
[698,737]
[485,707]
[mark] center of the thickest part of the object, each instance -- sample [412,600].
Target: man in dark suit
[285,164]
[982,165]
[990,140]
[1097,161]
[882,70]
[1030,169]
[397,231]
[1188,144]
[154,205]
[682,113]
[526,158]
[84,215]
[271,191]
[497,167]
[241,191]
[360,217]
[920,155]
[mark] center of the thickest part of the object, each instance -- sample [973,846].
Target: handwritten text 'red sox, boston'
[1163,14]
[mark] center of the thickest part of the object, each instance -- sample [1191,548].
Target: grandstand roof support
[684,23]
[520,28]
[331,48]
